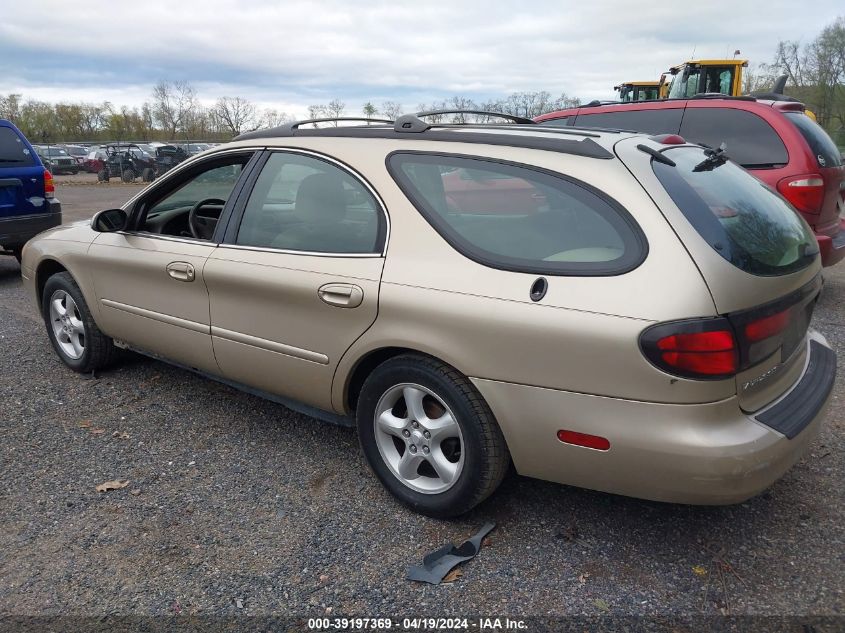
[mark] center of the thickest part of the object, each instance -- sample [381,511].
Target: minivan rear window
[740,217]
[822,146]
[515,217]
[13,151]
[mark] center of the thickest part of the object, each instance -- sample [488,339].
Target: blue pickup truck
[27,195]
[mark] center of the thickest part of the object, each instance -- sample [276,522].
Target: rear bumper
[709,453]
[16,230]
[832,249]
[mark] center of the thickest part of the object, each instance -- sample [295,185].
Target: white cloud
[289,54]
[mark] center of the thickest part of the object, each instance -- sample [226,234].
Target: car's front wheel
[71,328]
[429,436]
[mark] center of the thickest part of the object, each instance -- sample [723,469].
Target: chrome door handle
[341,295]
[181,271]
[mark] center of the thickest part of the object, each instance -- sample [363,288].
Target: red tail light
[49,187]
[700,348]
[767,326]
[805,193]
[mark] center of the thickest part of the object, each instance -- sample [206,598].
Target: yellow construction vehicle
[714,76]
[704,76]
[637,91]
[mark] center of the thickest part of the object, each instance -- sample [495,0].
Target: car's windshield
[741,218]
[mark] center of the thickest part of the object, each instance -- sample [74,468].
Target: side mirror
[109,221]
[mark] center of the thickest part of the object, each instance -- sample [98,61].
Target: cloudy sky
[289,54]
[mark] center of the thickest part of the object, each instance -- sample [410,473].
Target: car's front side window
[306,204]
[192,204]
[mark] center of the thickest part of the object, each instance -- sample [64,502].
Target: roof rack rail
[297,124]
[512,117]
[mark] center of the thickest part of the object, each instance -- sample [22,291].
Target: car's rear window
[740,217]
[13,151]
[520,218]
[822,146]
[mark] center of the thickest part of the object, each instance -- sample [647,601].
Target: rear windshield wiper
[715,158]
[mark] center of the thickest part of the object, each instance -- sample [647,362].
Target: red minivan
[774,140]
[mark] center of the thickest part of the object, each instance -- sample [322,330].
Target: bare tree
[274,118]
[173,104]
[335,109]
[235,114]
[391,109]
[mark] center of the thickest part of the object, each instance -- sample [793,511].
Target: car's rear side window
[653,121]
[822,146]
[740,217]
[751,141]
[520,218]
[13,151]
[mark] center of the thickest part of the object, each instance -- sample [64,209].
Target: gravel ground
[238,506]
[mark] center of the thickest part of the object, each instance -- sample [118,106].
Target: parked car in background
[27,196]
[167,157]
[78,152]
[775,140]
[95,159]
[639,326]
[57,160]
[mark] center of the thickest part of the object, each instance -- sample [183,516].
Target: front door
[149,280]
[297,279]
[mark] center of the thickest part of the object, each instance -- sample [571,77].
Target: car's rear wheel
[103,175]
[429,436]
[148,174]
[71,328]
[128,175]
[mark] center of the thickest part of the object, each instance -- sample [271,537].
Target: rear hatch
[829,160]
[757,255]
[21,175]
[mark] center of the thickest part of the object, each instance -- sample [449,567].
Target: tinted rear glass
[751,141]
[518,218]
[822,146]
[662,121]
[740,217]
[13,151]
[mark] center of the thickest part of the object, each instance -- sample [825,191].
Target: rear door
[21,176]
[296,281]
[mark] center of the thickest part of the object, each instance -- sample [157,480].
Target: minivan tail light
[696,348]
[49,187]
[805,193]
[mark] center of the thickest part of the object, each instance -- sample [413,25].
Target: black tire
[128,175]
[102,176]
[99,350]
[485,453]
[147,175]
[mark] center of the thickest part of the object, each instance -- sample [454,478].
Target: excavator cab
[631,91]
[706,76]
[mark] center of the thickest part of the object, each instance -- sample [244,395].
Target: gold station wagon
[600,308]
